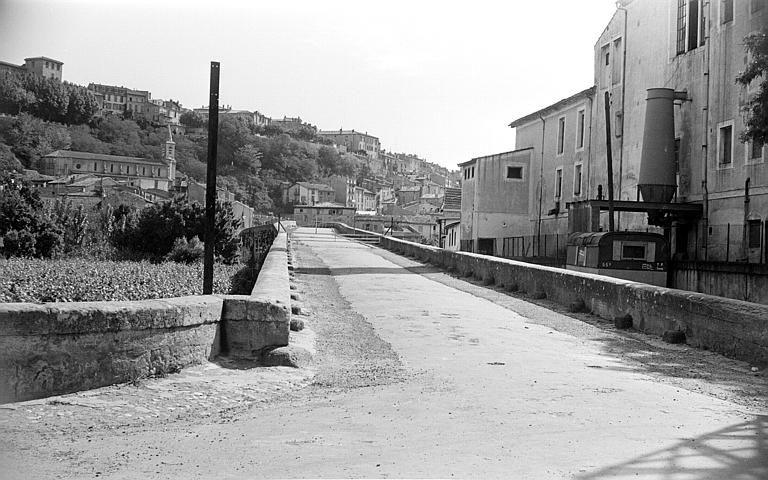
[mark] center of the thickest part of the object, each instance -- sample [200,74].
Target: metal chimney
[657,182]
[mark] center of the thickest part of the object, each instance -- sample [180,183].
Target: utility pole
[609,159]
[210,192]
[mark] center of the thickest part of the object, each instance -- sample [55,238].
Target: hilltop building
[39,66]
[353,141]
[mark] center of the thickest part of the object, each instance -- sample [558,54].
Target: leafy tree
[47,99]
[30,138]
[72,221]
[154,230]
[193,120]
[82,105]
[14,97]
[24,229]
[8,160]
[756,46]
[84,141]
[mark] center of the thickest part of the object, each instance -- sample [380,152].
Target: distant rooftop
[102,156]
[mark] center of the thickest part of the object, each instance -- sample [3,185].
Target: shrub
[154,230]
[186,251]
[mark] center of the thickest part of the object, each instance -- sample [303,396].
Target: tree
[82,105]
[193,120]
[8,160]
[24,229]
[31,138]
[756,125]
[154,230]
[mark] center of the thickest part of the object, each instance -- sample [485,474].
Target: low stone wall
[261,320]
[734,328]
[56,348]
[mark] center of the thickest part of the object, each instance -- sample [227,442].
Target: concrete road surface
[422,375]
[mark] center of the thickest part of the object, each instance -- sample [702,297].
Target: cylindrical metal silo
[657,181]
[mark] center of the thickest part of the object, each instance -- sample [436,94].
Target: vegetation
[756,108]
[252,165]
[47,99]
[153,232]
[25,229]
[82,280]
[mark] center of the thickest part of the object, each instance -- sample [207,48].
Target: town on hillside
[335,170]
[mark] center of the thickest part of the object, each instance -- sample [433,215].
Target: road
[420,374]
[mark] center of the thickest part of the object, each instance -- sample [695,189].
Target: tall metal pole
[610,159]
[210,191]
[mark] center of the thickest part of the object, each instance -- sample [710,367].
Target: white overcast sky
[438,79]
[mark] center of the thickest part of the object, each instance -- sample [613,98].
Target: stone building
[495,200]
[693,50]
[39,66]
[557,138]
[353,141]
[144,173]
[306,193]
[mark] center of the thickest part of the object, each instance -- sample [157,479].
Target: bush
[154,230]
[186,251]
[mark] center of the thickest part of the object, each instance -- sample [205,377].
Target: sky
[441,80]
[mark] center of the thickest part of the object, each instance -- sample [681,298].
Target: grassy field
[80,280]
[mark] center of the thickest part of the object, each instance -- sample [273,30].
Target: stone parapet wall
[731,327]
[261,320]
[56,348]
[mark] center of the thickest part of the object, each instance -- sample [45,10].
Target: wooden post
[210,192]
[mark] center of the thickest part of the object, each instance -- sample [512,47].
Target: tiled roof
[452,199]
[102,156]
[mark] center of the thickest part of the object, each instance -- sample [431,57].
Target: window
[94,166]
[681,26]
[755,151]
[558,183]
[690,25]
[111,167]
[725,144]
[726,11]
[605,55]
[677,155]
[632,251]
[693,22]
[577,179]
[580,129]
[514,172]
[754,233]
[560,135]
